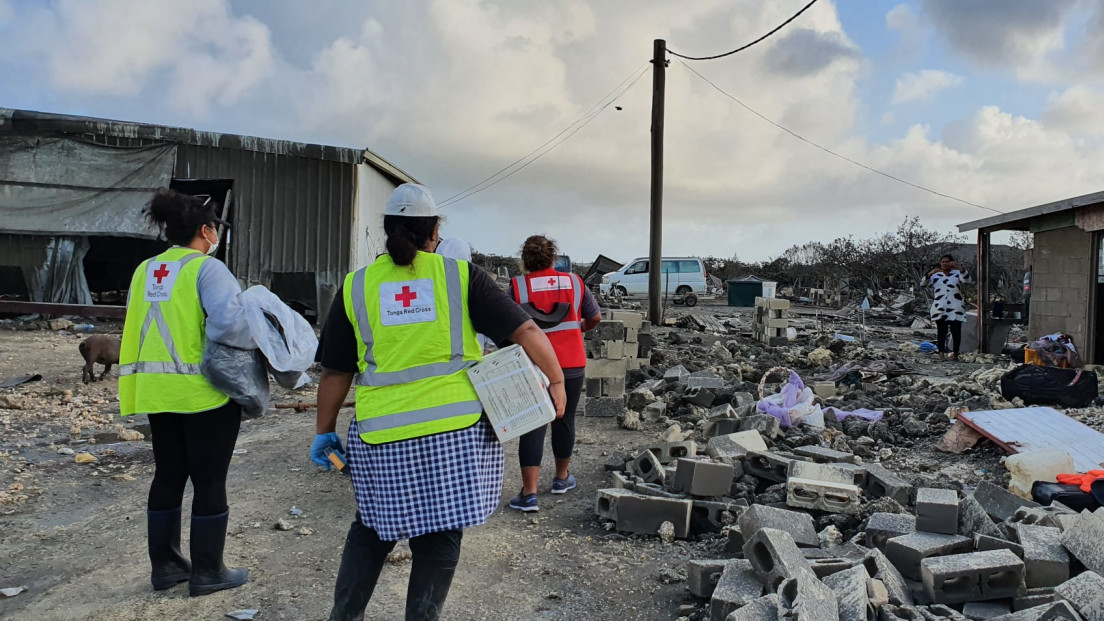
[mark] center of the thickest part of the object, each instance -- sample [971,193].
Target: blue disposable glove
[322,442]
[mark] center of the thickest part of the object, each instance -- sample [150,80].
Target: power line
[831,152]
[740,49]
[570,131]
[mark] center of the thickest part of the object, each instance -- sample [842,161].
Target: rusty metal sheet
[1029,429]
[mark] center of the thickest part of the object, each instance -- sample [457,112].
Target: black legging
[197,446]
[531,446]
[955,327]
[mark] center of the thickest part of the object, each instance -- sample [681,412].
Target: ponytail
[179,216]
[407,235]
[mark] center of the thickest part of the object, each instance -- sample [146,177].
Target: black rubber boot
[170,568]
[208,572]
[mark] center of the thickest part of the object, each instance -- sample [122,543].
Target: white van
[680,276]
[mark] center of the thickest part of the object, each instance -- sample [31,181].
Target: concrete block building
[1067,269]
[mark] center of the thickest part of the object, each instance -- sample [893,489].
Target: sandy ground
[74,534]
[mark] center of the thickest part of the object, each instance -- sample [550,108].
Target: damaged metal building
[1067,270]
[72,190]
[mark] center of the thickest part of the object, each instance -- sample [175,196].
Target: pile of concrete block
[621,342]
[770,321]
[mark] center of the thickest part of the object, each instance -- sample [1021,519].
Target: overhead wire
[831,152]
[551,143]
[744,47]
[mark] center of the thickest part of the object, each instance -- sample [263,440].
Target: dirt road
[74,534]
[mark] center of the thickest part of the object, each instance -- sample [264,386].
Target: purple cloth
[790,392]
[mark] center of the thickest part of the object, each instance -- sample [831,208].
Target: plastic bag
[240,374]
[792,404]
[285,338]
[1071,388]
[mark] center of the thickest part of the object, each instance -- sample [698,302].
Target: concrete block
[842,474]
[703,478]
[1030,598]
[632,337]
[767,425]
[880,483]
[824,567]
[722,411]
[979,611]
[705,379]
[648,467]
[881,527]
[604,407]
[807,598]
[613,387]
[654,489]
[1085,541]
[676,375]
[654,411]
[671,452]
[823,496]
[1046,612]
[606,368]
[1037,516]
[1086,594]
[638,513]
[593,387]
[973,519]
[766,465]
[709,516]
[852,595]
[735,445]
[701,397]
[974,576]
[627,318]
[620,481]
[763,609]
[937,510]
[608,502]
[825,390]
[607,330]
[1047,562]
[881,569]
[998,502]
[737,587]
[983,543]
[825,455]
[798,525]
[734,540]
[907,551]
[775,557]
[702,576]
[714,427]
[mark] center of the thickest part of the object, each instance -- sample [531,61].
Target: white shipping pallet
[514,393]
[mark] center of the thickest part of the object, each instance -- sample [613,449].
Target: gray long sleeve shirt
[218,294]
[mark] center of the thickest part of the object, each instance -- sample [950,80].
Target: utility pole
[655,254]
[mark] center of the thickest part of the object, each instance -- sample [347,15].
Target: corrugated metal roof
[1006,219]
[31,122]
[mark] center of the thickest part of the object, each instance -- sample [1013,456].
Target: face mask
[214,246]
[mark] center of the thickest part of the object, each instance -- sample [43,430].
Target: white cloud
[903,19]
[923,85]
[195,53]
[1078,109]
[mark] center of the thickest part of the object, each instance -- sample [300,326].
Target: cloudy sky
[997,102]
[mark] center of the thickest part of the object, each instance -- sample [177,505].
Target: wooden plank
[1029,429]
[102,311]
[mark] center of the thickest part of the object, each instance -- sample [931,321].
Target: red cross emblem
[406,297]
[161,273]
[551,282]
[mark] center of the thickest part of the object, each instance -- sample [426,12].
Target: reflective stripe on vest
[158,385]
[567,336]
[427,397]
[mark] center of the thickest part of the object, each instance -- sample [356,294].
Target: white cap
[411,199]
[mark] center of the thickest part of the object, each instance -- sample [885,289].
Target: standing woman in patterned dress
[948,309]
[425,462]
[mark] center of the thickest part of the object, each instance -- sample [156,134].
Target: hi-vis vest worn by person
[542,290]
[415,347]
[163,339]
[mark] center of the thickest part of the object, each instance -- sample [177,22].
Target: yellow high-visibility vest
[163,339]
[416,343]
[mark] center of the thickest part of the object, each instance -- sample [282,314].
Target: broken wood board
[1022,430]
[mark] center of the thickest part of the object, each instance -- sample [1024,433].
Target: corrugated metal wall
[292,214]
[27,251]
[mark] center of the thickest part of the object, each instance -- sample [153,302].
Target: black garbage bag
[1071,388]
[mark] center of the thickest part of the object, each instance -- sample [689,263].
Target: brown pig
[102,349]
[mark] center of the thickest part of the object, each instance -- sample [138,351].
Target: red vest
[544,289]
